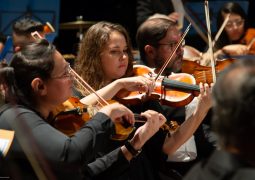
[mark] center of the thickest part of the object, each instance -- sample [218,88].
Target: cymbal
[79,24]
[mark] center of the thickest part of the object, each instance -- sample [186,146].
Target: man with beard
[156,39]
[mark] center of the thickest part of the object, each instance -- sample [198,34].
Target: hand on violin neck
[137,83]
[118,113]
[205,98]
[154,121]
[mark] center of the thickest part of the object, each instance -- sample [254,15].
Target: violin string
[173,52]
[203,76]
[205,73]
[220,30]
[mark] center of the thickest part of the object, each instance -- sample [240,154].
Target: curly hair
[88,63]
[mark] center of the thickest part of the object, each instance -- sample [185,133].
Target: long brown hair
[88,63]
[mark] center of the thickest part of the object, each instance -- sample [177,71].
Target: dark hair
[88,64]
[7,93]
[230,7]
[34,60]
[234,104]
[26,26]
[151,32]
[2,38]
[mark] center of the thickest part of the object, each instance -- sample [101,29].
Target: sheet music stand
[11,11]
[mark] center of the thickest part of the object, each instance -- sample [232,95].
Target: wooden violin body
[70,116]
[204,73]
[174,90]
[249,38]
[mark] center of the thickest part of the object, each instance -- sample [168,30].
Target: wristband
[131,149]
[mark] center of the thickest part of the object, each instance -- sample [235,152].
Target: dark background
[116,11]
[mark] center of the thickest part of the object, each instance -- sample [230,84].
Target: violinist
[237,37]
[156,38]
[38,80]
[105,60]
[21,32]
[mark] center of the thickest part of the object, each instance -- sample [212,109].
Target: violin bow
[221,29]
[87,87]
[251,43]
[78,79]
[173,52]
[178,7]
[210,40]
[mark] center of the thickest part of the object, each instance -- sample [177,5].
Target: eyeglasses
[66,74]
[172,44]
[237,23]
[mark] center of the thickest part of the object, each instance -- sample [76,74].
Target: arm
[235,49]
[56,146]
[188,127]
[229,50]
[118,160]
[137,83]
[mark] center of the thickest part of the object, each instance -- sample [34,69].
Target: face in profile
[59,86]
[166,46]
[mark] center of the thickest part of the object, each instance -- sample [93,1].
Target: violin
[70,116]
[204,73]
[124,130]
[249,40]
[175,90]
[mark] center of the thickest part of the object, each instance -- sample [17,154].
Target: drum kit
[79,24]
